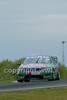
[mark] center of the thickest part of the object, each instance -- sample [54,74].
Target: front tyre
[19,80]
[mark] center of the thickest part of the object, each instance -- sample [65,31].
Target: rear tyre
[58,77]
[26,80]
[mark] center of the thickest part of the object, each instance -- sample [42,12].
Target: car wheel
[19,80]
[26,80]
[58,77]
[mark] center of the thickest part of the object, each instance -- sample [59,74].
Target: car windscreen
[44,61]
[30,61]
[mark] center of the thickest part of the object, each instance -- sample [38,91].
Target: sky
[30,27]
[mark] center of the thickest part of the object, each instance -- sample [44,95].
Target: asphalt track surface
[32,85]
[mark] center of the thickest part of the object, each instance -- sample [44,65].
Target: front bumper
[36,74]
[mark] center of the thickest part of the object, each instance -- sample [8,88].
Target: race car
[38,67]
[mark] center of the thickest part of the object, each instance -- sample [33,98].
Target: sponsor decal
[34,66]
[38,57]
[33,72]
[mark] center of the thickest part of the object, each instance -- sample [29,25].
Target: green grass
[7,81]
[36,94]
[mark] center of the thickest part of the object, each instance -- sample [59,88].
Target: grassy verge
[7,81]
[36,94]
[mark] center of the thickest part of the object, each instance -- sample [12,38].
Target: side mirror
[19,64]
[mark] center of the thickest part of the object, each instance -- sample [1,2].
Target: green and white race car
[38,67]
